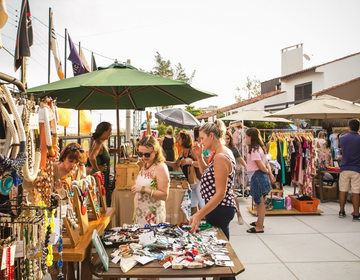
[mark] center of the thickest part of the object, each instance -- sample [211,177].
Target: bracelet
[142,190]
[152,192]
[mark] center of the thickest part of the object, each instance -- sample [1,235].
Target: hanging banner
[85,121]
[64,117]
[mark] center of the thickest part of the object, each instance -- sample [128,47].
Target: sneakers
[241,220]
[342,215]
[356,218]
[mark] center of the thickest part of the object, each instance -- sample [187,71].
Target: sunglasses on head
[147,155]
[74,148]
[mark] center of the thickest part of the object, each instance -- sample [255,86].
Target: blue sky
[224,41]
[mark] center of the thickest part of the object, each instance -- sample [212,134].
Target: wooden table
[321,183]
[155,270]
[123,202]
[82,252]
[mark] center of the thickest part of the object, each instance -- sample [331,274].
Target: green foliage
[251,89]
[193,111]
[219,114]
[162,129]
[163,69]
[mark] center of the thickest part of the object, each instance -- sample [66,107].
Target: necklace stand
[93,204]
[74,236]
[83,219]
[103,206]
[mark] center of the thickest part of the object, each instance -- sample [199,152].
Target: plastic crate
[305,206]
[278,204]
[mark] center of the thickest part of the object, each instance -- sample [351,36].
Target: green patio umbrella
[117,87]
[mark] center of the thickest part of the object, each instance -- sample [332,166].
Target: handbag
[191,174]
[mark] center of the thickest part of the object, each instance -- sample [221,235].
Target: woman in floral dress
[151,187]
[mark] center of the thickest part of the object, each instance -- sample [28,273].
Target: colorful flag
[24,38]
[64,117]
[54,46]
[83,60]
[3,17]
[93,63]
[78,66]
[85,121]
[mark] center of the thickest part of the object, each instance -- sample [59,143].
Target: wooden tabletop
[78,253]
[155,270]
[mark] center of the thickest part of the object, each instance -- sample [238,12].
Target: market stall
[204,256]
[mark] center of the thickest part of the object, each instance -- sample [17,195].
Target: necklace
[147,168]
[213,154]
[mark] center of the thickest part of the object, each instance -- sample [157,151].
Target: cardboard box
[329,192]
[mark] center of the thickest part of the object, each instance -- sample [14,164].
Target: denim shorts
[259,185]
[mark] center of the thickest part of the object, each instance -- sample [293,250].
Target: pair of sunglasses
[147,155]
[74,148]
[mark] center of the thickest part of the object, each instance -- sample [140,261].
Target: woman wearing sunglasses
[71,163]
[151,187]
[100,154]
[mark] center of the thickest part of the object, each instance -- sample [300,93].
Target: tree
[163,69]
[251,89]
[193,111]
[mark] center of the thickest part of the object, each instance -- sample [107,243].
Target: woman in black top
[168,143]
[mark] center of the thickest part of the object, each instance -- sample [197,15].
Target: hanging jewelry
[93,192]
[82,196]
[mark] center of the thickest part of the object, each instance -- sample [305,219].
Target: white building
[340,77]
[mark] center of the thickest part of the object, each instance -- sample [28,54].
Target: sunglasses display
[147,155]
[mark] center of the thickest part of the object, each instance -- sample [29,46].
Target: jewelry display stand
[83,219]
[73,233]
[92,202]
[103,206]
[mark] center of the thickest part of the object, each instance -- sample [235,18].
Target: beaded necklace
[213,154]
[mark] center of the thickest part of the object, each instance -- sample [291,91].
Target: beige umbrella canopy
[254,114]
[322,107]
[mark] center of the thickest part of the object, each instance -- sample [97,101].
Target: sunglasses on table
[74,148]
[147,155]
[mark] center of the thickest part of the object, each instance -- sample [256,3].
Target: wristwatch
[142,190]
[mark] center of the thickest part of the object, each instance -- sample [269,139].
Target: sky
[223,41]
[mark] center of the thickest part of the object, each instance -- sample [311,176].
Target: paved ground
[299,247]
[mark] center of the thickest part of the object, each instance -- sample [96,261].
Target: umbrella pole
[118,127]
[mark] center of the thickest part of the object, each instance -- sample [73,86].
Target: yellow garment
[273,150]
[284,148]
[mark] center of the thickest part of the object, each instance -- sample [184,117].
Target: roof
[314,67]
[334,87]
[241,103]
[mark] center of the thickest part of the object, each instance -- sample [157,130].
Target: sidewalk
[299,247]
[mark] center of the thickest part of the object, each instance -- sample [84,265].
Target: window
[303,92]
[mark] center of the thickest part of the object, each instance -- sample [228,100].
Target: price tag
[34,121]
[108,243]
[147,238]
[116,259]
[167,264]
[19,249]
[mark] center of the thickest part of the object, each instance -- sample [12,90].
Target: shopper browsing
[187,161]
[217,178]
[258,171]
[350,169]
[230,144]
[151,187]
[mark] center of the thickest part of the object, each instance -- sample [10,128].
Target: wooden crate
[126,174]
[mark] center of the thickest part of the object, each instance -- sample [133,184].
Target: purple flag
[78,66]
[24,38]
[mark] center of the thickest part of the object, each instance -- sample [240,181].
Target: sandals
[253,224]
[253,230]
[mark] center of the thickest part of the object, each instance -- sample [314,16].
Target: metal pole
[49,43]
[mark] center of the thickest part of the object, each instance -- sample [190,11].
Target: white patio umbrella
[322,107]
[253,114]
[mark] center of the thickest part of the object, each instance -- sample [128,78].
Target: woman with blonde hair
[217,178]
[151,187]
